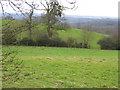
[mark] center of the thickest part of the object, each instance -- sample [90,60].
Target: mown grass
[51,67]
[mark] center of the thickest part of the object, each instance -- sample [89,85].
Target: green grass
[51,67]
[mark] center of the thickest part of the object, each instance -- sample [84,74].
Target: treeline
[107,43]
[42,39]
[12,30]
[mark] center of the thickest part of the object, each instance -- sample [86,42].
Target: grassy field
[50,67]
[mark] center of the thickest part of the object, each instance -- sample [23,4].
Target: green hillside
[78,33]
[56,67]
[63,34]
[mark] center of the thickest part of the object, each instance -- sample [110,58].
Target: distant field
[51,67]
[78,33]
[63,34]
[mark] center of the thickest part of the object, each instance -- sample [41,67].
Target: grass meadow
[52,67]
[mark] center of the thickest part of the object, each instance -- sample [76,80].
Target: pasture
[51,67]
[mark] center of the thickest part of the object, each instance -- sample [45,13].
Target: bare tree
[33,6]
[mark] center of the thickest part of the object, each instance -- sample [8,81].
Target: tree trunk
[30,24]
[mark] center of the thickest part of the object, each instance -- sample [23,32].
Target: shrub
[27,41]
[78,45]
[58,42]
[43,42]
[53,42]
[42,39]
[109,43]
[71,41]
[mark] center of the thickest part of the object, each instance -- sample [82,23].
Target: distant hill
[105,25]
[96,21]
[92,20]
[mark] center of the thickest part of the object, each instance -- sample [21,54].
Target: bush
[43,42]
[71,41]
[57,42]
[28,42]
[109,43]
[53,42]
[78,45]
[42,39]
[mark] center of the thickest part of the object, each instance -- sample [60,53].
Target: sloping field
[50,67]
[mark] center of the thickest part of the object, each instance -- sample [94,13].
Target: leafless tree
[33,6]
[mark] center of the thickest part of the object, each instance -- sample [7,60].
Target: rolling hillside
[63,34]
[55,67]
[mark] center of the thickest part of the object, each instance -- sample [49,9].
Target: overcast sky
[96,8]
[91,8]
